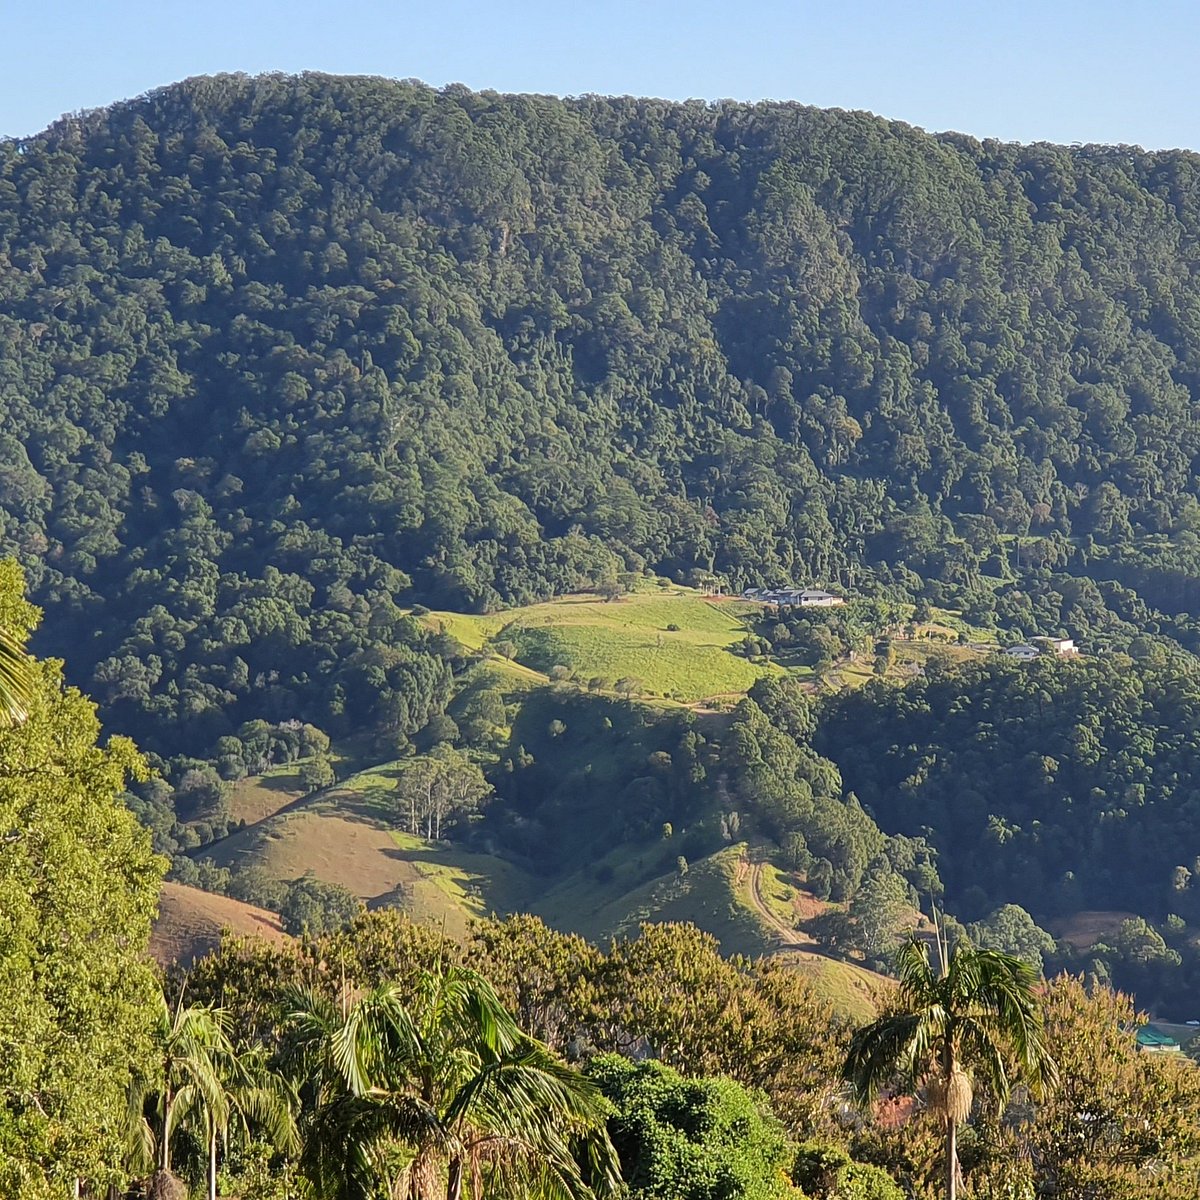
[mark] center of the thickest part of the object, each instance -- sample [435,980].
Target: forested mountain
[279,354]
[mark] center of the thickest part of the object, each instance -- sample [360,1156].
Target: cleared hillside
[667,642]
[190,924]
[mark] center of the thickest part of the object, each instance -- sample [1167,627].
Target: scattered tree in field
[444,785]
[312,907]
[317,773]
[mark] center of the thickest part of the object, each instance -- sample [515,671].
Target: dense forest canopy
[1060,785]
[279,354]
[283,359]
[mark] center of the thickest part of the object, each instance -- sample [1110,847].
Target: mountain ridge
[501,348]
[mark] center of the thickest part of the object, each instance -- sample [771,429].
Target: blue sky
[1058,70]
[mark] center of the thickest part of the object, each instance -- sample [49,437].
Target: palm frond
[918,981]
[447,1077]
[16,681]
[981,1006]
[883,1052]
[138,1137]
[352,1140]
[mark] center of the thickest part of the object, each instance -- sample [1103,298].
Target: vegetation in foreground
[385,1058]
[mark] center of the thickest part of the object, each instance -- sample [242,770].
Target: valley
[648,593]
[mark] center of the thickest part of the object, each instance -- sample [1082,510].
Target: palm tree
[16,681]
[976,1012]
[253,1097]
[200,1081]
[434,1099]
[190,1043]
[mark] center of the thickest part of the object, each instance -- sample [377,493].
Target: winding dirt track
[785,932]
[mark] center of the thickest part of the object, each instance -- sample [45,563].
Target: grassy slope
[343,836]
[707,895]
[715,895]
[1087,927]
[261,796]
[623,638]
[346,836]
[628,638]
[190,923]
[852,991]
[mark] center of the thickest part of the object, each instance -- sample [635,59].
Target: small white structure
[815,598]
[1063,647]
[1023,652]
[794,597]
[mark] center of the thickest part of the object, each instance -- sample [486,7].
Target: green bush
[828,1173]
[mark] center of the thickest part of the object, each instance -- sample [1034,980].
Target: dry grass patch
[1083,930]
[190,923]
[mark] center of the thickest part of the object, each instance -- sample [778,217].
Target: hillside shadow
[288,784]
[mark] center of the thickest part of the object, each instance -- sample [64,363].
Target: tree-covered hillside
[278,353]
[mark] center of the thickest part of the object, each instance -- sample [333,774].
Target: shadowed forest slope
[277,351]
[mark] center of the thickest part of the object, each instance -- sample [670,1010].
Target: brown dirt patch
[1084,929]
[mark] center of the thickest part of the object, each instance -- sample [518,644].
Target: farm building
[1023,652]
[1153,1040]
[1063,647]
[1027,651]
[794,597]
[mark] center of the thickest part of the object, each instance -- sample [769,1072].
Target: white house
[815,598]
[1023,652]
[794,597]
[1063,647]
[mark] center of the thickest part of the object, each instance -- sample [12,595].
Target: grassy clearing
[512,678]
[471,630]
[261,796]
[589,902]
[626,638]
[432,882]
[1084,929]
[714,895]
[786,902]
[630,638]
[453,886]
[853,992]
[706,895]
[953,619]
[663,663]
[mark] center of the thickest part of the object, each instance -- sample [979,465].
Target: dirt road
[787,935]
